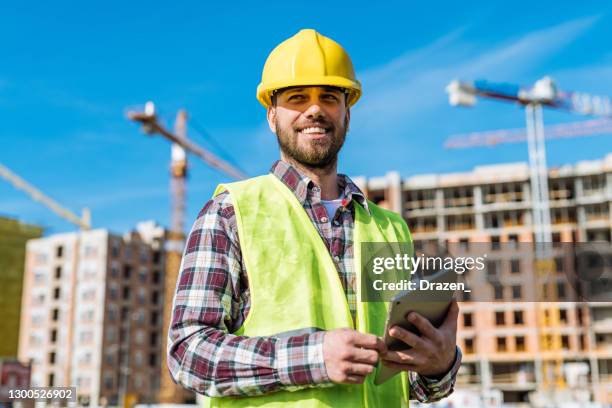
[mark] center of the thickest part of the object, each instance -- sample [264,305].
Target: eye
[330,97]
[296,98]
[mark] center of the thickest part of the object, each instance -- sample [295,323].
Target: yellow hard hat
[308,58]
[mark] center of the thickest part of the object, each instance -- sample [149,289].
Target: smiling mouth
[315,131]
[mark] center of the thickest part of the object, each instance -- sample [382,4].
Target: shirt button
[324,219]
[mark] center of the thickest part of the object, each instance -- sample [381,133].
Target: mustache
[315,123]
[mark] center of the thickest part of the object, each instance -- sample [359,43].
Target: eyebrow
[332,89]
[325,88]
[294,90]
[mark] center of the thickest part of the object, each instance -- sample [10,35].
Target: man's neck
[326,178]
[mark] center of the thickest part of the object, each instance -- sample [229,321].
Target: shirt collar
[299,184]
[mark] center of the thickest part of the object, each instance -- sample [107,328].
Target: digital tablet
[431,300]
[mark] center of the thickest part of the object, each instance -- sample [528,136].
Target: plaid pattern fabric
[212,301]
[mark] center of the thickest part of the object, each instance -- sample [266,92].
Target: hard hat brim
[264,94]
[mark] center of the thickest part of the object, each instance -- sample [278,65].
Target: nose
[314,111]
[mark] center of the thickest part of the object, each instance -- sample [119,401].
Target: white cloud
[63,99]
[414,83]
[25,92]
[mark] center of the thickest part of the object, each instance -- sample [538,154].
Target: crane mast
[175,243]
[178,174]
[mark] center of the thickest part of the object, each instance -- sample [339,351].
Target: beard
[318,153]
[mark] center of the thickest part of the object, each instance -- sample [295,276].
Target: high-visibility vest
[294,285]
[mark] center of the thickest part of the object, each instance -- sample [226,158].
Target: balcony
[513,223]
[604,378]
[461,227]
[555,195]
[459,202]
[460,222]
[416,229]
[515,378]
[605,349]
[602,321]
[597,212]
[422,224]
[420,204]
[468,379]
[511,197]
[595,192]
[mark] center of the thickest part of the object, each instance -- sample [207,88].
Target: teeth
[313,130]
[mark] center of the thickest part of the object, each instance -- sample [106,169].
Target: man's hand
[433,352]
[350,355]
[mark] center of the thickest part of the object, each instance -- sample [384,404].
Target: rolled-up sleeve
[425,389]
[211,301]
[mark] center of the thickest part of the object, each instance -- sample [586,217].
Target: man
[266,311]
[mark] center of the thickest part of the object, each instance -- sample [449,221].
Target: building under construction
[92,313]
[13,237]
[492,204]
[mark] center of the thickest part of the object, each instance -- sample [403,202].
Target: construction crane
[170,392]
[178,169]
[83,222]
[593,127]
[543,93]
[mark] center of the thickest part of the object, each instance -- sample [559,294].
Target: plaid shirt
[212,301]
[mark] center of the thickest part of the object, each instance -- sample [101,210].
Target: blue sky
[69,72]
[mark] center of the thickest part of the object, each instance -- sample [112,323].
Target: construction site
[94,313]
[89,306]
[106,300]
[491,204]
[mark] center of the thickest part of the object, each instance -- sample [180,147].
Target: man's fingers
[424,326]
[450,321]
[369,341]
[401,357]
[407,337]
[360,369]
[382,347]
[355,379]
[365,356]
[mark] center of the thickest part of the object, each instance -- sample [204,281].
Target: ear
[271,115]
[348,118]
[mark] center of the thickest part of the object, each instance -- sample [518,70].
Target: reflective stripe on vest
[295,285]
